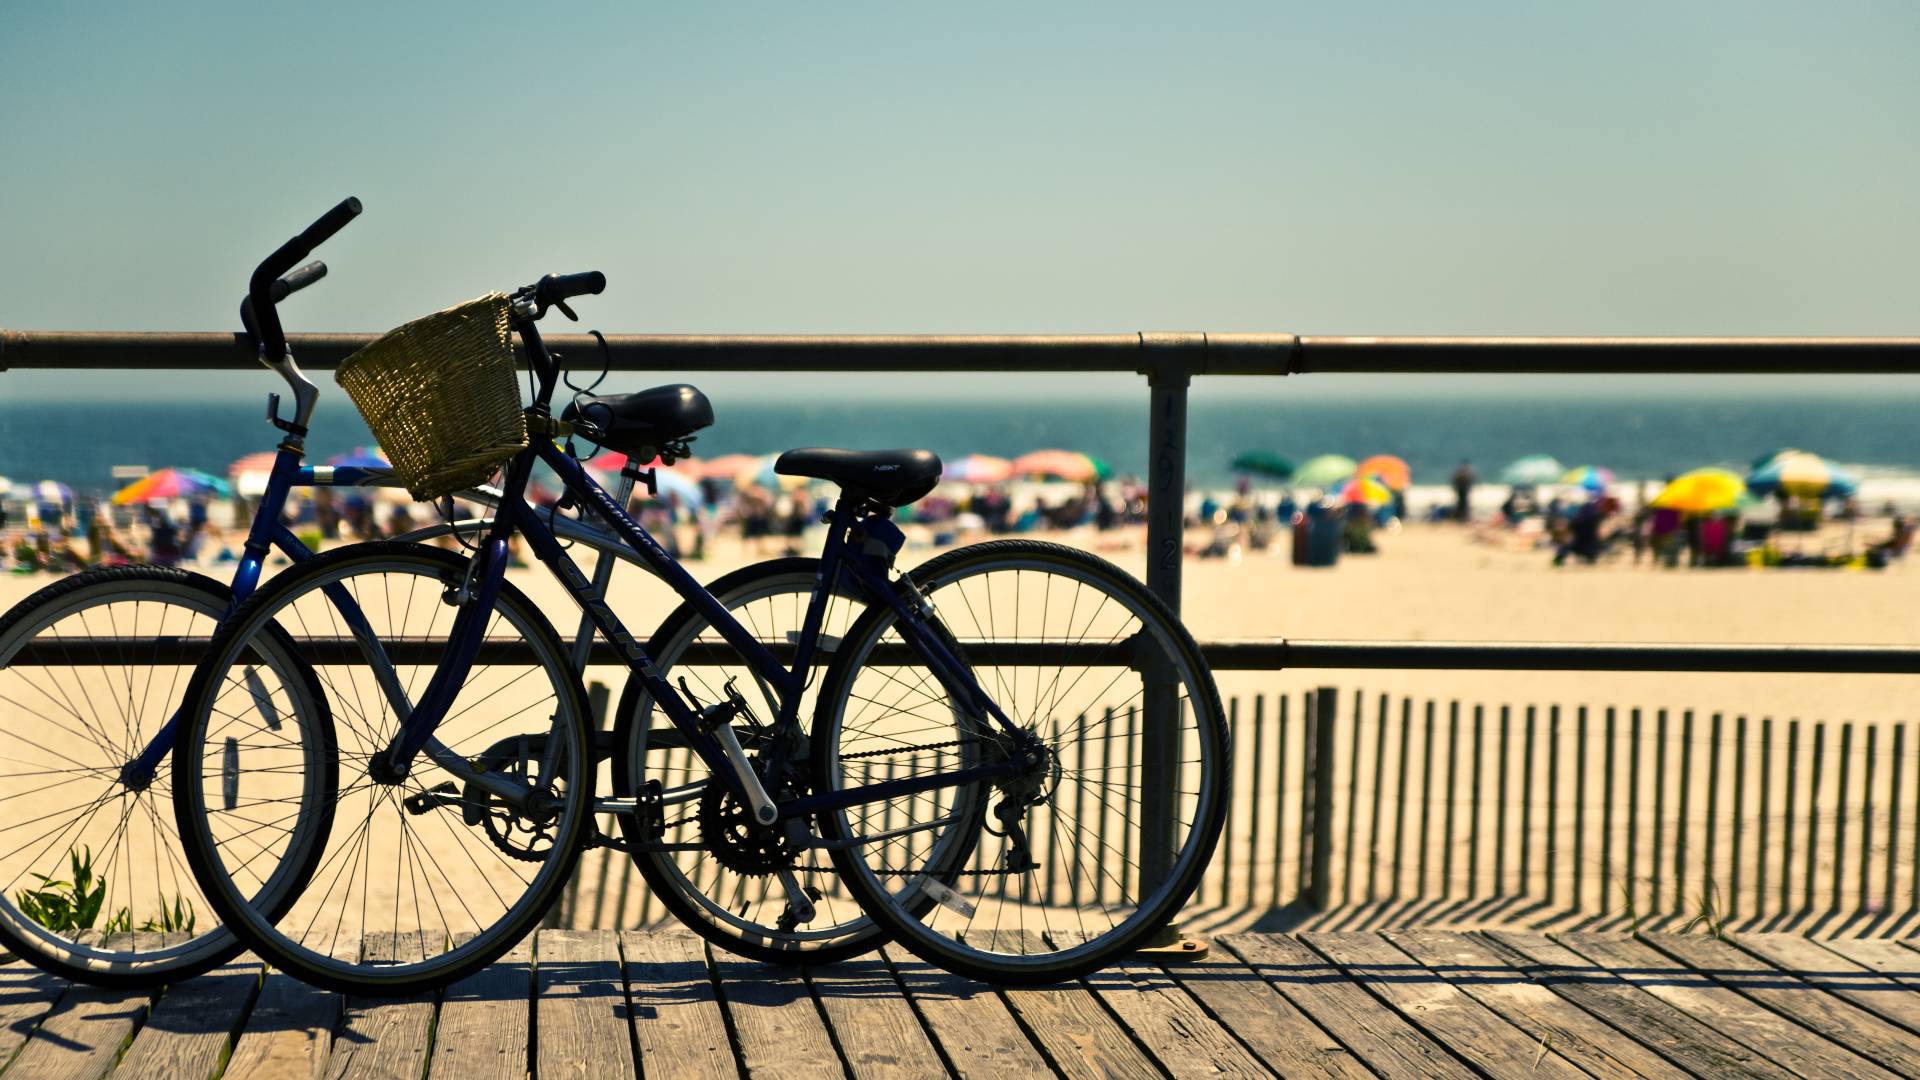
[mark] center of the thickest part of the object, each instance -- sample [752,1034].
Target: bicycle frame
[416,733]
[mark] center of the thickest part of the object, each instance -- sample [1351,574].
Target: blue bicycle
[1015,759]
[93,883]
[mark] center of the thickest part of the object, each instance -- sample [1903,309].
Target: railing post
[1165,360]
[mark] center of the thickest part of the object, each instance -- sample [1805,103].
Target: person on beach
[1463,481]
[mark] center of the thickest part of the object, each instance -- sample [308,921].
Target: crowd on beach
[1329,508]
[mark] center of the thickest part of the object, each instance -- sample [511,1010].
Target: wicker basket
[442,396]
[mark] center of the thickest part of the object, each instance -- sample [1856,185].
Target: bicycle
[958,817]
[98,660]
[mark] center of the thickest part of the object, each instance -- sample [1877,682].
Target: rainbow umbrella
[1702,491]
[1061,465]
[170,484]
[1532,471]
[1324,472]
[1590,477]
[1263,462]
[362,457]
[977,469]
[1799,473]
[1365,490]
[1395,473]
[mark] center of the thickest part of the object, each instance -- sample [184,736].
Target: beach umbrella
[612,461]
[1365,490]
[170,484]
[1324,471]
[1532,471]
[6,485]
[362,457]
[1395,473]
[977,469]
[51,493]
[1799,473]
[1263,463]
[727,466]
[761,475]
[1590,477]
[261,462]
[1761,461]
[666,480]
[1061,465]
[1702,491]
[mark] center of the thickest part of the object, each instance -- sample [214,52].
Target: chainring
[738,840]
[515,834]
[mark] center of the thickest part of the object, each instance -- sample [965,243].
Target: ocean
[79,442]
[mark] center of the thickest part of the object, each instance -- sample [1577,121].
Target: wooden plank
[189,1031]
[1855,1028]
[1889,958]
[26,995]
[1278,1033]
[1546,1017]
[676,1015]
[1080,1038]
[1369,1029]
[289,1033]
[81,1037]
[1669,1032]
[1438,1007]
[879,1034]
[1166,1020]
[1840,977]
[1799,1050]
[486,1021]
[969,1021]
[384,1037]
[775,1022]
[581,1005]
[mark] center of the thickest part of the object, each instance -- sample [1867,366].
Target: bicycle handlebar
[260,289]
[292,282]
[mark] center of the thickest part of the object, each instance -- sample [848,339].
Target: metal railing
[1169,361]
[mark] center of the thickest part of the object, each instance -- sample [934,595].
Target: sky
[1470,168]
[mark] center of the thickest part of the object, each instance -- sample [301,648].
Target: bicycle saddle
[894,477]
[638,424]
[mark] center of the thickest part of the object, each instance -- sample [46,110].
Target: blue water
[79,442]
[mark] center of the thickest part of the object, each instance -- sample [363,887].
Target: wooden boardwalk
[1410,1003]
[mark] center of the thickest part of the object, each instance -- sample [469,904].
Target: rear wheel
[93,883]
[418,879]
[1099,831]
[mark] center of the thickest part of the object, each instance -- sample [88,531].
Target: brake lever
[565,310]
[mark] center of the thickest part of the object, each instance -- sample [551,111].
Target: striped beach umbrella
[170,484]
[1532,471]
[1389,470]
[1798,473]
[1702,491]
[51,493]
[1061,465]
[1325,471]
[1263,463]
[977,469]
[1590,477]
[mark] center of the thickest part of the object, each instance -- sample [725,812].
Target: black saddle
[894,477]
[640,424]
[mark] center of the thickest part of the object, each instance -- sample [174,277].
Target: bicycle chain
[907,749]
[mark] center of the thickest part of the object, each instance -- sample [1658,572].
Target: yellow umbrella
[1702,491]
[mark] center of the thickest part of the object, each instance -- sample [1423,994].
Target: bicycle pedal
[443,794]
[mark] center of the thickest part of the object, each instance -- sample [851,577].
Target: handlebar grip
[330,222]
[562,286]
[295,280]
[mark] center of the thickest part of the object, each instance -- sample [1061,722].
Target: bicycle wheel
[1085,853]
[423,879]
[724,881]
[92,668]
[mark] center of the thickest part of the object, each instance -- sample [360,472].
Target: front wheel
[1103,815]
